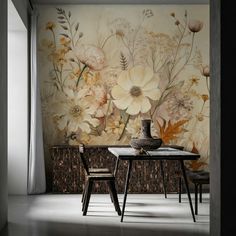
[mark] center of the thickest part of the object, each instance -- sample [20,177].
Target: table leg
[180,189]
[200,193]
[187,188]
[116,166]
[163,178]
[196,198]
[126,189]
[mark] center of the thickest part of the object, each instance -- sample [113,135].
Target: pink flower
[195,25]
[91,56]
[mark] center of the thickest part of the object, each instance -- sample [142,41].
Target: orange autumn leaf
[194,149]
[196,164]
[169,131]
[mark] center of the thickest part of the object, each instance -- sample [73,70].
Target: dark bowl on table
[147,144]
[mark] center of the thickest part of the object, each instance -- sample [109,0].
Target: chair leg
[111,193]
[196,199]
[200,193]
[180,189]
[89,191]
[114,196]
[85,195]
[111,196]
[84,190]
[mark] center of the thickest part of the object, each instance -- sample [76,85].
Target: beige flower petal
[92,109]
[62,109]
[73,125]
[94,122]
[124,102]
[154,94]
[140,75]
[99,114]
[134,107]
[146,105]
[118,92]
[82,93]
[152,84]
[124,80]
[84,127]
[87,116]
[69,93]
[62,123]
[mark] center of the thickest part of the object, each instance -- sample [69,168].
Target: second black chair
[91,177]
[198,178]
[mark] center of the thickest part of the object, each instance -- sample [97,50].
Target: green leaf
[64,27]
[65,35]
[77,27]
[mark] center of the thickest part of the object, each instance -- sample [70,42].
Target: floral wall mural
[105,67]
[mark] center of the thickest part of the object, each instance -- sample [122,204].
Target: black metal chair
[91,177]
[198,178]
[91,170]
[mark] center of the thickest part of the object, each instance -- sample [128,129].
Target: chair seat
[199,177]
[101,176]
[99,170]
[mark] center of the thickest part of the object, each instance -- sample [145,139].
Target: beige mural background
[105,67]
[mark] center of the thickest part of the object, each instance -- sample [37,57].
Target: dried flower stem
[105,41]
[123,131]
[80,74]
[207,84]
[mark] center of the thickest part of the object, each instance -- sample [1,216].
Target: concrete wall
[22,7]
[18,117]
[215,109]
[3,113]
[17,112]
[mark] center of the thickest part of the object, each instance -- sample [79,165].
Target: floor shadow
[47,228]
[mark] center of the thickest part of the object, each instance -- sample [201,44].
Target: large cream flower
[134,88]
[76,113]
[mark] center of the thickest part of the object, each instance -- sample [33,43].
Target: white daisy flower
[76,112]
[134,89]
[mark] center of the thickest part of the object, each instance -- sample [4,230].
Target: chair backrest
[83,158]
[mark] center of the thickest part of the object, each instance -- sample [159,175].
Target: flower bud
[206,71]
[205,97]
[195,25]
[177,22]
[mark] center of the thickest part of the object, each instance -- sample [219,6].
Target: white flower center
[135,91]
[75,111]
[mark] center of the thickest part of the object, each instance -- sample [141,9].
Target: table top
[162,153]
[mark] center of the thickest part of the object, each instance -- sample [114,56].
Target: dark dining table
[163,153]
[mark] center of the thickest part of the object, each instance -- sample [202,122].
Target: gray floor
[146,214]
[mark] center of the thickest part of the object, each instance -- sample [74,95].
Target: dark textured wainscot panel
[68,174]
